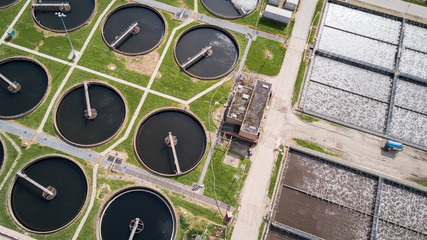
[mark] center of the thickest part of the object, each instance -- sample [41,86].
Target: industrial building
[244,115]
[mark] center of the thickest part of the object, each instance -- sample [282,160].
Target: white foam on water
[351,78]
[404,207]
[415,37]
[414,63]
[363,23]
[345,106]
[338,184]
[411,95]
[387,231]
[409,126]
[357,47]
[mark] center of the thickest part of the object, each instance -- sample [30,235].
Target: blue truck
[392,145]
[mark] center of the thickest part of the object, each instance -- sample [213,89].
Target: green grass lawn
[8,14]
[57,73]
[259,58]
[275,172]
[299,81]
[418,2]
[313,146]
[228,180]
[97,52]
[307,118]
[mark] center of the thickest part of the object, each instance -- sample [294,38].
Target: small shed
[275,3]
[291,5]
[277,14]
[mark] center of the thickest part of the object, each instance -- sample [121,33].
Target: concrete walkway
[253,197]
[93,157]
[6,234]
[283,123]
[214,21]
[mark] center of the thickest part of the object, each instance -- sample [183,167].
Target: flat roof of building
[253,117]
[240,102]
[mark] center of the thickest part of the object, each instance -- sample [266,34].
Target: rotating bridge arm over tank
[238,7]
[171,141]
[205,52]
[52,7]
[48,193]
[90,113]
[132,29]
[13,87]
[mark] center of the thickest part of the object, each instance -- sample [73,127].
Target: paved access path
[93,157]
[253,198]
[353,146]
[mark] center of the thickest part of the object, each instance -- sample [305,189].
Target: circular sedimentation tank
[230,9]
[7,3]
[76,14]
[30,82]
[38,212]
[133,29]
[206,52]
[146,209]
[153,147]
[108,114]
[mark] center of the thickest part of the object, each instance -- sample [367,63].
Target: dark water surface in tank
[151,24]
[222,7]
[156,155]
[151,208]
[1,154]
[34,83]
[225,8]
[224,47]
[75,127]
[81,11]
[38,214]
[6,3]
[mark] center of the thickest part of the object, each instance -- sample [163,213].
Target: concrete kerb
[49,82]
[15,178]
[72,88]
[358,168]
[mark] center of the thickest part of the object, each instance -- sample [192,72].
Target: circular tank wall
[146,36]
[152,149]
[32,210]
[220,59]
[72,122]
[33,81]
[155,214]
